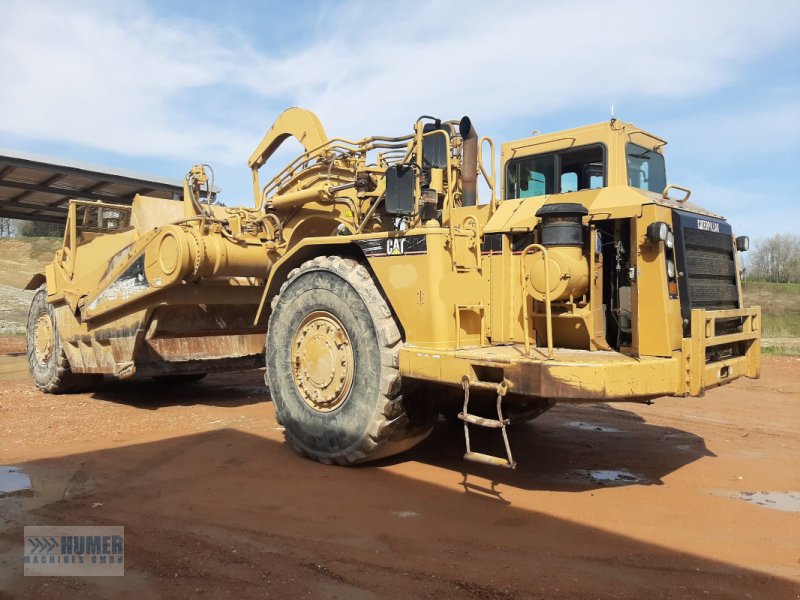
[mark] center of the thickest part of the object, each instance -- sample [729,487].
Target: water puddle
[405,514]
[785,501]
[590,427]
[13,480]
[610,476]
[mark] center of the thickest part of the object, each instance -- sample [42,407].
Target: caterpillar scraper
[378,291]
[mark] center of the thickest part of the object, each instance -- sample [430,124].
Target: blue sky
[157,87]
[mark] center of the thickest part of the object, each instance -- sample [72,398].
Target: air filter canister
[562,224]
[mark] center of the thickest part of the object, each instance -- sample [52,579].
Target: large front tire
[332,367]
[47,361]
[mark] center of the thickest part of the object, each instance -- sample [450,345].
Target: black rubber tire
[378,418]
[53,376]
[179,378]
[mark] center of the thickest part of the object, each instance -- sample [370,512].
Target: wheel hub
[43,338]
[322,361]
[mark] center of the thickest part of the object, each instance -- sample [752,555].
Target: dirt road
[609,501]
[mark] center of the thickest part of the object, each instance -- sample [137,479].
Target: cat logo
[707,225]
[395,246]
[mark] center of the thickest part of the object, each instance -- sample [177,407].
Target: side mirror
[742,243]
[401,184]
[434,147]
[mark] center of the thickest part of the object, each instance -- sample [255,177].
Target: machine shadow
[570,448]
[575,447]
[238,388]
[228,513]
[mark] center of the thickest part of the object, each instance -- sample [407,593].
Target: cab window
[557,172]
[646,169]
[535,176]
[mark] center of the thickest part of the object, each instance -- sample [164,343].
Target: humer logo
[77,551]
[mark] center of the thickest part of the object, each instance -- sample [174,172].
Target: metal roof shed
[38,188]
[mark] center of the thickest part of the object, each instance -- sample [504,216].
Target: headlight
[670,269]
[670,241]
[657,232]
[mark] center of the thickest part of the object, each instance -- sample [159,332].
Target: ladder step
[487,459]
[485,385]
[476,420]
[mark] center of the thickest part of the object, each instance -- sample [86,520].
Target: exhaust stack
[469,163]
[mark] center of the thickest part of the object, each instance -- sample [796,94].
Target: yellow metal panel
[572,375]
[658,318]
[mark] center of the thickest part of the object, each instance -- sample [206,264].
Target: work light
[658,231]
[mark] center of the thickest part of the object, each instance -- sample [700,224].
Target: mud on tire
[377,417]
[47,361]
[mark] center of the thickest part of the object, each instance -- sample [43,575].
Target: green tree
[41,229]
[6,227]
[776,259]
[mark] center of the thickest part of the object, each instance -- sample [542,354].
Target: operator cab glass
[533,176]
[646,169]
[557,172]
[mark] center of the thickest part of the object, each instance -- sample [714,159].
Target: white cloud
[112,78]
[121,79]
[509,59]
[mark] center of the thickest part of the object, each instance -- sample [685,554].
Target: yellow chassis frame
[581,375]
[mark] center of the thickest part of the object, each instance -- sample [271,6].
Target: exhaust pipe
[469,163]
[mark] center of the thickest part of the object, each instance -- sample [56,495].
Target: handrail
[523,287]
[343,145]
[322,151]
[490,179]
[672,186]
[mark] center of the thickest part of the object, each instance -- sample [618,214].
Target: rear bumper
[580,375]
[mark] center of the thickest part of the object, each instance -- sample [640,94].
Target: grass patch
[772,297]
[780,315]
[13,332]
[780,324]
[779,349]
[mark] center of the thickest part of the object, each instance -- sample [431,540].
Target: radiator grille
[710,270]
[710,278]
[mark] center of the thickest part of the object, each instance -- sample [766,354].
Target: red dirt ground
[215,505]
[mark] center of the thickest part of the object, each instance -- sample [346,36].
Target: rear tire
[332,367]
[47,361]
